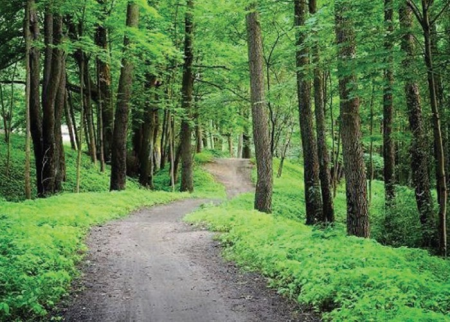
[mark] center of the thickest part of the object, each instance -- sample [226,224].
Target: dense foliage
[347,278]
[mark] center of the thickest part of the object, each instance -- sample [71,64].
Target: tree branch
[415,10]
[446,6]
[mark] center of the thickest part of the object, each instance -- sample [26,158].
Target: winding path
[153,267]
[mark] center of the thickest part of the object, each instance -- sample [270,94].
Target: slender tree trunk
[60,158]
[419,153]
[148,131]
[284,153]
[35,104]
[70,123]
[388,105]
[104,75]
[313,200]
[264,185]
[119,148]
[322,149]
[437,132]
[371,168]
[74,120]
[90,129]
[100,130]
[80,137]
[355,173]
[187,180]
[28,43]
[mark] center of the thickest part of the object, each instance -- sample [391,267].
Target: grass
[204,184]
[12,181]
[344,278]
[42,240]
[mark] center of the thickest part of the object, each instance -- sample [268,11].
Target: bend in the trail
[234,174]
[153,267]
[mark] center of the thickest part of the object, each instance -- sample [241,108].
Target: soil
[234,174]
[153,267]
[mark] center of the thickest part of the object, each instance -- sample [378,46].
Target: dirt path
[152,267]
[234,174]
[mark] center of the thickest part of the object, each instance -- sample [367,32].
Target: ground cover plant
[345,278]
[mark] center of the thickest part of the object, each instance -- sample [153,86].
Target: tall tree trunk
[322,149]
[261,137]
[437,132]
[355,172]
[28,43]
[148,131]
[52,77]
[90,129]
[419,153]
[310,157]
[104,76]
[35,104]
[60,158]
[388,105]
[119,148]
[187,179]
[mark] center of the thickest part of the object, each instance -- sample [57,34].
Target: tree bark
[322,149]
[148,130]
[119,148]
[187,179]
[261,137]
[355,173]
[437,131]
[313,200]
[388,105]
[29,7]
[35,104]
[52,78]
[104,76]
[419,154]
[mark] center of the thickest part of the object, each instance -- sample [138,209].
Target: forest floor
[153,267]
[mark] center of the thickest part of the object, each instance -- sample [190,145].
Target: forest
[323,126]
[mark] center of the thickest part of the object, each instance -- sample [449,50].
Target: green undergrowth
[344,278]
[41,242]
[204,184]
[12,179]
[398,227]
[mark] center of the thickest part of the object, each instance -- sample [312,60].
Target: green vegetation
[43,240]
[12,182]
[348,278]
[205,185]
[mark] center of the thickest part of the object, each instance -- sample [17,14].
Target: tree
[388,105]
[187,180]
[264,184]
[322,149]
[310,157]
[119,148]
[28,43]
[426,21]
[355,175]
